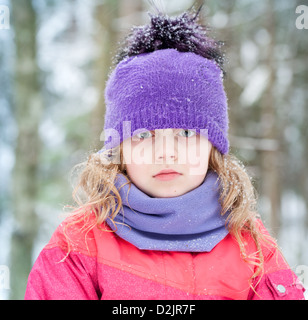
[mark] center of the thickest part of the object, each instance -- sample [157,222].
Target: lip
[167,175]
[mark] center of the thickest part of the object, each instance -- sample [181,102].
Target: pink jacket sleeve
[278,281]
[278,285]
[51,279]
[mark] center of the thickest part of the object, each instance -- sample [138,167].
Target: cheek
[137,173]
[197,148]
[132,173]
[196,180]
[126,150]
[138,153]
[198,155]
[132,170]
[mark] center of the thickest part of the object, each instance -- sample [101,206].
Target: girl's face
[166,162]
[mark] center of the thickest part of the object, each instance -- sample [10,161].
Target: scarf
[190,222]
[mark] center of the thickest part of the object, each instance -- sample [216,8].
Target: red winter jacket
[101,265]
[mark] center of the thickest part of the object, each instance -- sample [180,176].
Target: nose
[165,148]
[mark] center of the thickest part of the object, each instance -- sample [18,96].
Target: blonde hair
[95,193]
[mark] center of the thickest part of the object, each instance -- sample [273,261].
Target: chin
[169,193]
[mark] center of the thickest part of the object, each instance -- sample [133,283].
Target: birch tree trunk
[28,108]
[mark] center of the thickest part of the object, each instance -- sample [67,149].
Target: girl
[164,211]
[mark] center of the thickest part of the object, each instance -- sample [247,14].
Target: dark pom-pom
[182,33]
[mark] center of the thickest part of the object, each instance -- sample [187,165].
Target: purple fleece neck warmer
[166,89]
[189,223]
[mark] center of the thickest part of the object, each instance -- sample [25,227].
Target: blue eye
[186,133]
[143,135]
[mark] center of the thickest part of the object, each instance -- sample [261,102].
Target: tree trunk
[106,39]
[270,159]
[111,27]
[28,108]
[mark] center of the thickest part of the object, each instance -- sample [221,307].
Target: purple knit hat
[164,89]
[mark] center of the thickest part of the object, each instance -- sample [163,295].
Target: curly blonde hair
[95,194]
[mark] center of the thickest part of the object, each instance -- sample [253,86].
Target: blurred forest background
[54,61]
